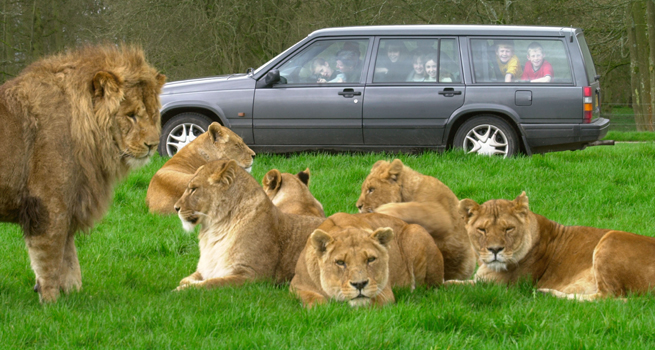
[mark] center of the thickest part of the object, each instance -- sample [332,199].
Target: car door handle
[349,93]
[449,92]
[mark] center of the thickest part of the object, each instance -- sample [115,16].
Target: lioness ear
[377,164]
[521,206]
[272,180]
[468,207]
[320,239]
[226,174]
[395,169]
[384,235]
[303,176]
[108,87]
[217,133]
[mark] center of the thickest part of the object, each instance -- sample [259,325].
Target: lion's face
[500,230]
[353,263]
[221,142]
[210,194]
[138,124]
[381,186]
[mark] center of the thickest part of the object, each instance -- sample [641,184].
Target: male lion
[291,193]
[169,182]
[244,237]
[78,122]
[568,261]
[397,190]
[359,258]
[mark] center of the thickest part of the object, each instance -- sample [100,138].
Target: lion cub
[358,258]
[397,190]
[169,182]
[291,193]
[578,262]
[244,237]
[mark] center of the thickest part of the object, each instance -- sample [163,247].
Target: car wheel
[487,135]
[180,130]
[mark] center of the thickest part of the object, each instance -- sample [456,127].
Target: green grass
[132,261]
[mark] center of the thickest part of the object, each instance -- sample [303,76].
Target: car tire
[180,130]
[488,135]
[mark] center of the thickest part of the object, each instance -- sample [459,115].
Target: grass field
[132,261]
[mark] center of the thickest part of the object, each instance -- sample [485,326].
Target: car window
[417,61]
[503,60]
[588,61]
[326,62]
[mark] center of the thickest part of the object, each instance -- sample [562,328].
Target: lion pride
[78,121]
[291,193]
[169,182]
[579,262]
[397,190]
[244,237]
[358,258]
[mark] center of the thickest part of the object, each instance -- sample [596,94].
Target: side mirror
[272,77]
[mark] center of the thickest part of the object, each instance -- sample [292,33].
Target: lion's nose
[177,209]
[151,145]
[359,285]
[495,250]
[359,207]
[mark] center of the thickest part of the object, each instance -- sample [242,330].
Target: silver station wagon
[495,90]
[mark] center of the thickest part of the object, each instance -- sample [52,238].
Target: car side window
[326,62]
[417,61]
[509,60]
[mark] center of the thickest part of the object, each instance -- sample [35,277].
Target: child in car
[507,62]
[537,69]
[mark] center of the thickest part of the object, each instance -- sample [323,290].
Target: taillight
[588,106]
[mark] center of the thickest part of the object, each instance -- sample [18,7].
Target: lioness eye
[340,263]
[371,259]
[509,229]
[482,231]
[370,190]
[191,190]
[132,116]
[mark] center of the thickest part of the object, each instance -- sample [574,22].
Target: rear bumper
[543,138]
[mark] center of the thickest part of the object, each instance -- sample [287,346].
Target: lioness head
[381,186]
[220,142]
[127,103]
[501,231]
[291,193]
[213,192]
[353,263]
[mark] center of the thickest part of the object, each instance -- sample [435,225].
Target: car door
[404,104]
[318,100]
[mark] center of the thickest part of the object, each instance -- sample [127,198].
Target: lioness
[169,182]
[244,236]
[569,261]
[359,258]
[291,193]
[397,190]
[78,122]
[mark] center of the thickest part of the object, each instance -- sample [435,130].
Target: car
[406,88]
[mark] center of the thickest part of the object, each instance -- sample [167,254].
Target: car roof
[435,29]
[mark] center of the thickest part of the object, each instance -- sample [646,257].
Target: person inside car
[325,74]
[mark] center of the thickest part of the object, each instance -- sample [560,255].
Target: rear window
[588,61]
[505,60]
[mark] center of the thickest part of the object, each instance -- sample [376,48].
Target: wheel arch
[462,116]
[210,113]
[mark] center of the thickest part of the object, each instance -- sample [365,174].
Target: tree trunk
[639,51]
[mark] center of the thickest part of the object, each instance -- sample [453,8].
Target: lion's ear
[226,174]
[161,80]
[377,164]
[217,132]
[303,176]
[384,235]
[272,180]
[108,87]
[468,207]
[395,169]
[521,206]
[320,239]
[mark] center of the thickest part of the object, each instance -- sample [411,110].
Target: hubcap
[486,139]
[181,136]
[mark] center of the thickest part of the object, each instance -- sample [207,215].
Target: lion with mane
[359,257]
[291,193]
[244,237]
[575,262]
[395,189]
[79,122]
[169,182]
